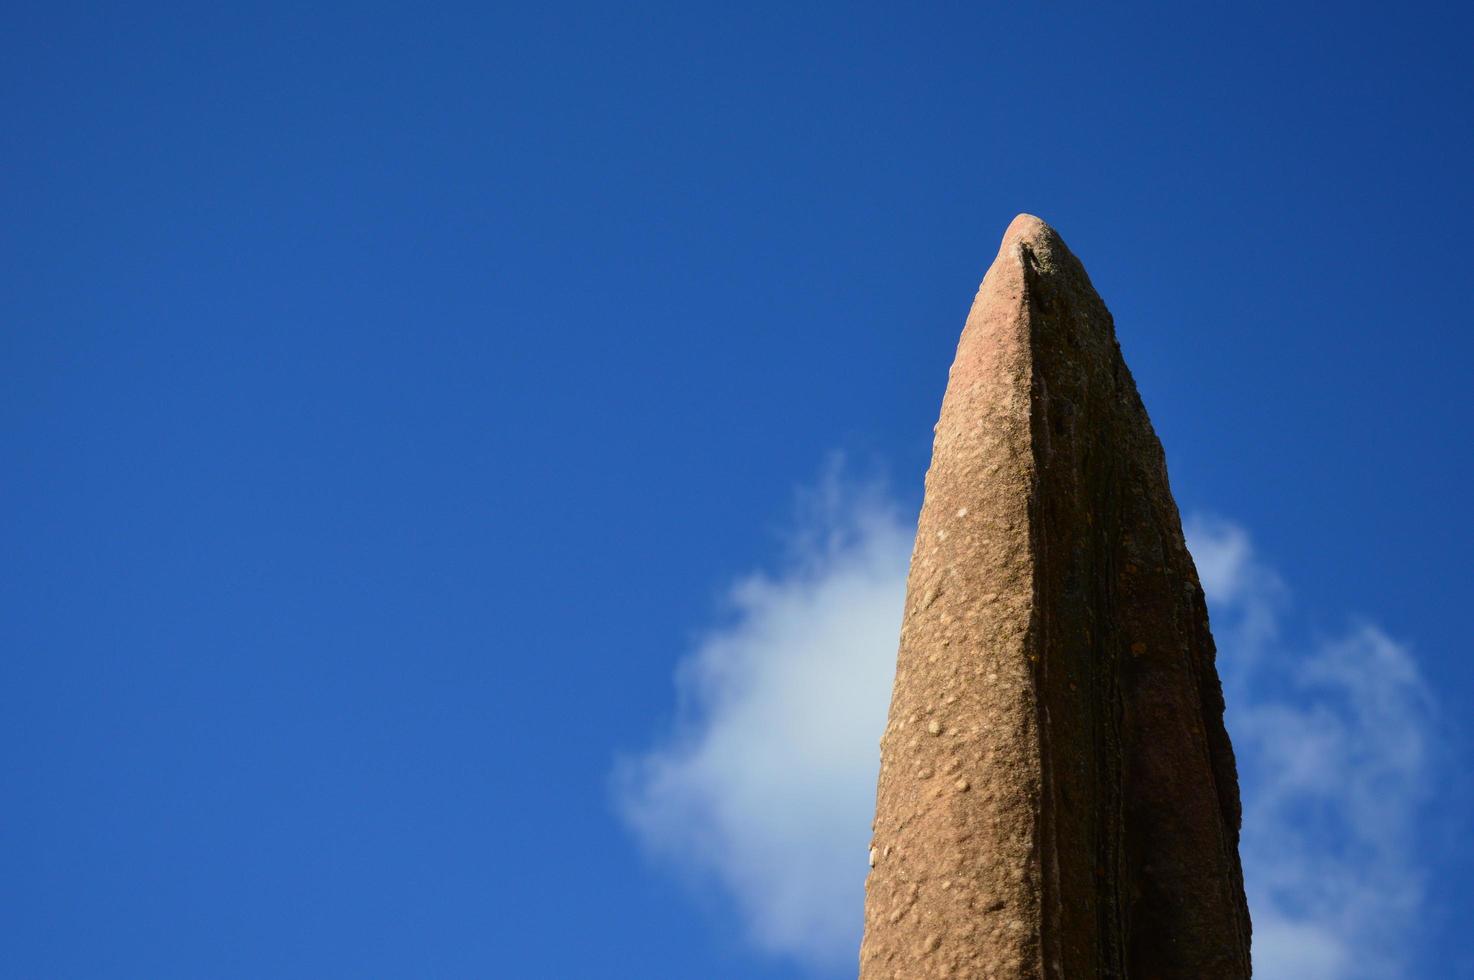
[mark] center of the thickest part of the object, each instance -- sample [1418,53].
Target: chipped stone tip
[1030,244]
[1031,230]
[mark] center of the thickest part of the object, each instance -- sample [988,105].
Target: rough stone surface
[1057,796]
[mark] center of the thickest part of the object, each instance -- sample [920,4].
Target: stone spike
[1058,797]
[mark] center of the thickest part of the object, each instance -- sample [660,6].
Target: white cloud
[1333,739]
[767,783]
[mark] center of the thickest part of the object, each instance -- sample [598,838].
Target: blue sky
[395,399]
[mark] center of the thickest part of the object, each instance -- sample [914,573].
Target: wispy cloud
[766,784]
[1334,738]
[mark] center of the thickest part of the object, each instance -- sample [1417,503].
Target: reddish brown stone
[1057,794]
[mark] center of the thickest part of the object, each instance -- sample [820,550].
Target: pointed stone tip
[1027,228]
[1049,255]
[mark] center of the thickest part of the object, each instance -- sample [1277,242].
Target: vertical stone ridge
[1057,795]
[1052,907]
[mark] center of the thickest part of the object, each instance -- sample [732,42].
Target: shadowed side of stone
[1057,794]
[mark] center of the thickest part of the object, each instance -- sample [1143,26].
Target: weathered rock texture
[1057,791]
